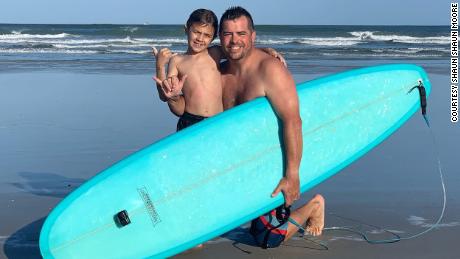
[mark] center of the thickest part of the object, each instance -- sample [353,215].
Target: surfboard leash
[423,102]
[423,105]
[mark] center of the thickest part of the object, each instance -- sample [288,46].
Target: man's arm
[215,51]
[281,92]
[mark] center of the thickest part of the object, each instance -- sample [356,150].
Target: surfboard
[203,181]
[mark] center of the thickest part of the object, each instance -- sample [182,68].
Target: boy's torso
[203,87]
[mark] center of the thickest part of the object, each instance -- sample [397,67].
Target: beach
[61,125]
[75,125]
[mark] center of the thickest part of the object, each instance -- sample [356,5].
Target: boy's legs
[311,213]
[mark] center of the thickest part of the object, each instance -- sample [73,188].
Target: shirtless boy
[194,73]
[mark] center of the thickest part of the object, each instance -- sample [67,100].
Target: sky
[306,12]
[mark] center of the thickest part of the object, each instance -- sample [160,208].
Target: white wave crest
[19,35]
[111,45]
[129,51]
[68,41]
[373,35]
[169,40]
[445,50]
[337,41]
[313,41]
[89,46]
[273,42]
[130,29]
[362,35]
[56,51]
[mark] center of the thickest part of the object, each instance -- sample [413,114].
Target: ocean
[127,48]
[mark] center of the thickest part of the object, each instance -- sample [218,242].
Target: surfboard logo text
[149,205]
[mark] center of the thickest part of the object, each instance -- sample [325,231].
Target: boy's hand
[172,86]
[163,56]
[276,55]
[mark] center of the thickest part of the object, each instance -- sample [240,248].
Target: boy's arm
[275,54]
[216,53]
[162,57]
[171,88]
[177,105]
[176,102]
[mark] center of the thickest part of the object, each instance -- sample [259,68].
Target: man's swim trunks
[269,231]
[188,119]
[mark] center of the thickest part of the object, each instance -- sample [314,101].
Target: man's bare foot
[315,223]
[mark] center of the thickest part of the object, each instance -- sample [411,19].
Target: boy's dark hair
[203,16]
[236,12]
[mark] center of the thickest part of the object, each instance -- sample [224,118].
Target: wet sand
[59,129]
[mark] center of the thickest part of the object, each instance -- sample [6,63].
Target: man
[249,73]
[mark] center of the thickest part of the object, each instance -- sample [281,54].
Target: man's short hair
[203,16]
[235,12]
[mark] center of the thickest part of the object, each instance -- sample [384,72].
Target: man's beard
[237,55]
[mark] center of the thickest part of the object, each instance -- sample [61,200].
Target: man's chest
[240,90]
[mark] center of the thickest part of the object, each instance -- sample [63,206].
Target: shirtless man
[250,73]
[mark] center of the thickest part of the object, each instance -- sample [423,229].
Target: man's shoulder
[265,60]
[273,73]
[271,66]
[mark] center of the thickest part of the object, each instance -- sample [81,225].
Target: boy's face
[199,37]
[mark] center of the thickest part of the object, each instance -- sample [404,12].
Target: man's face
[236,38]
[199,37]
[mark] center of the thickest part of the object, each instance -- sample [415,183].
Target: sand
[59,129]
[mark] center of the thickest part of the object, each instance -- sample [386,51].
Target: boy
[202,91]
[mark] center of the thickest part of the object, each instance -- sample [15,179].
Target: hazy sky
[308,12]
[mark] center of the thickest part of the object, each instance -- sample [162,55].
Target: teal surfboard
[199,183]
